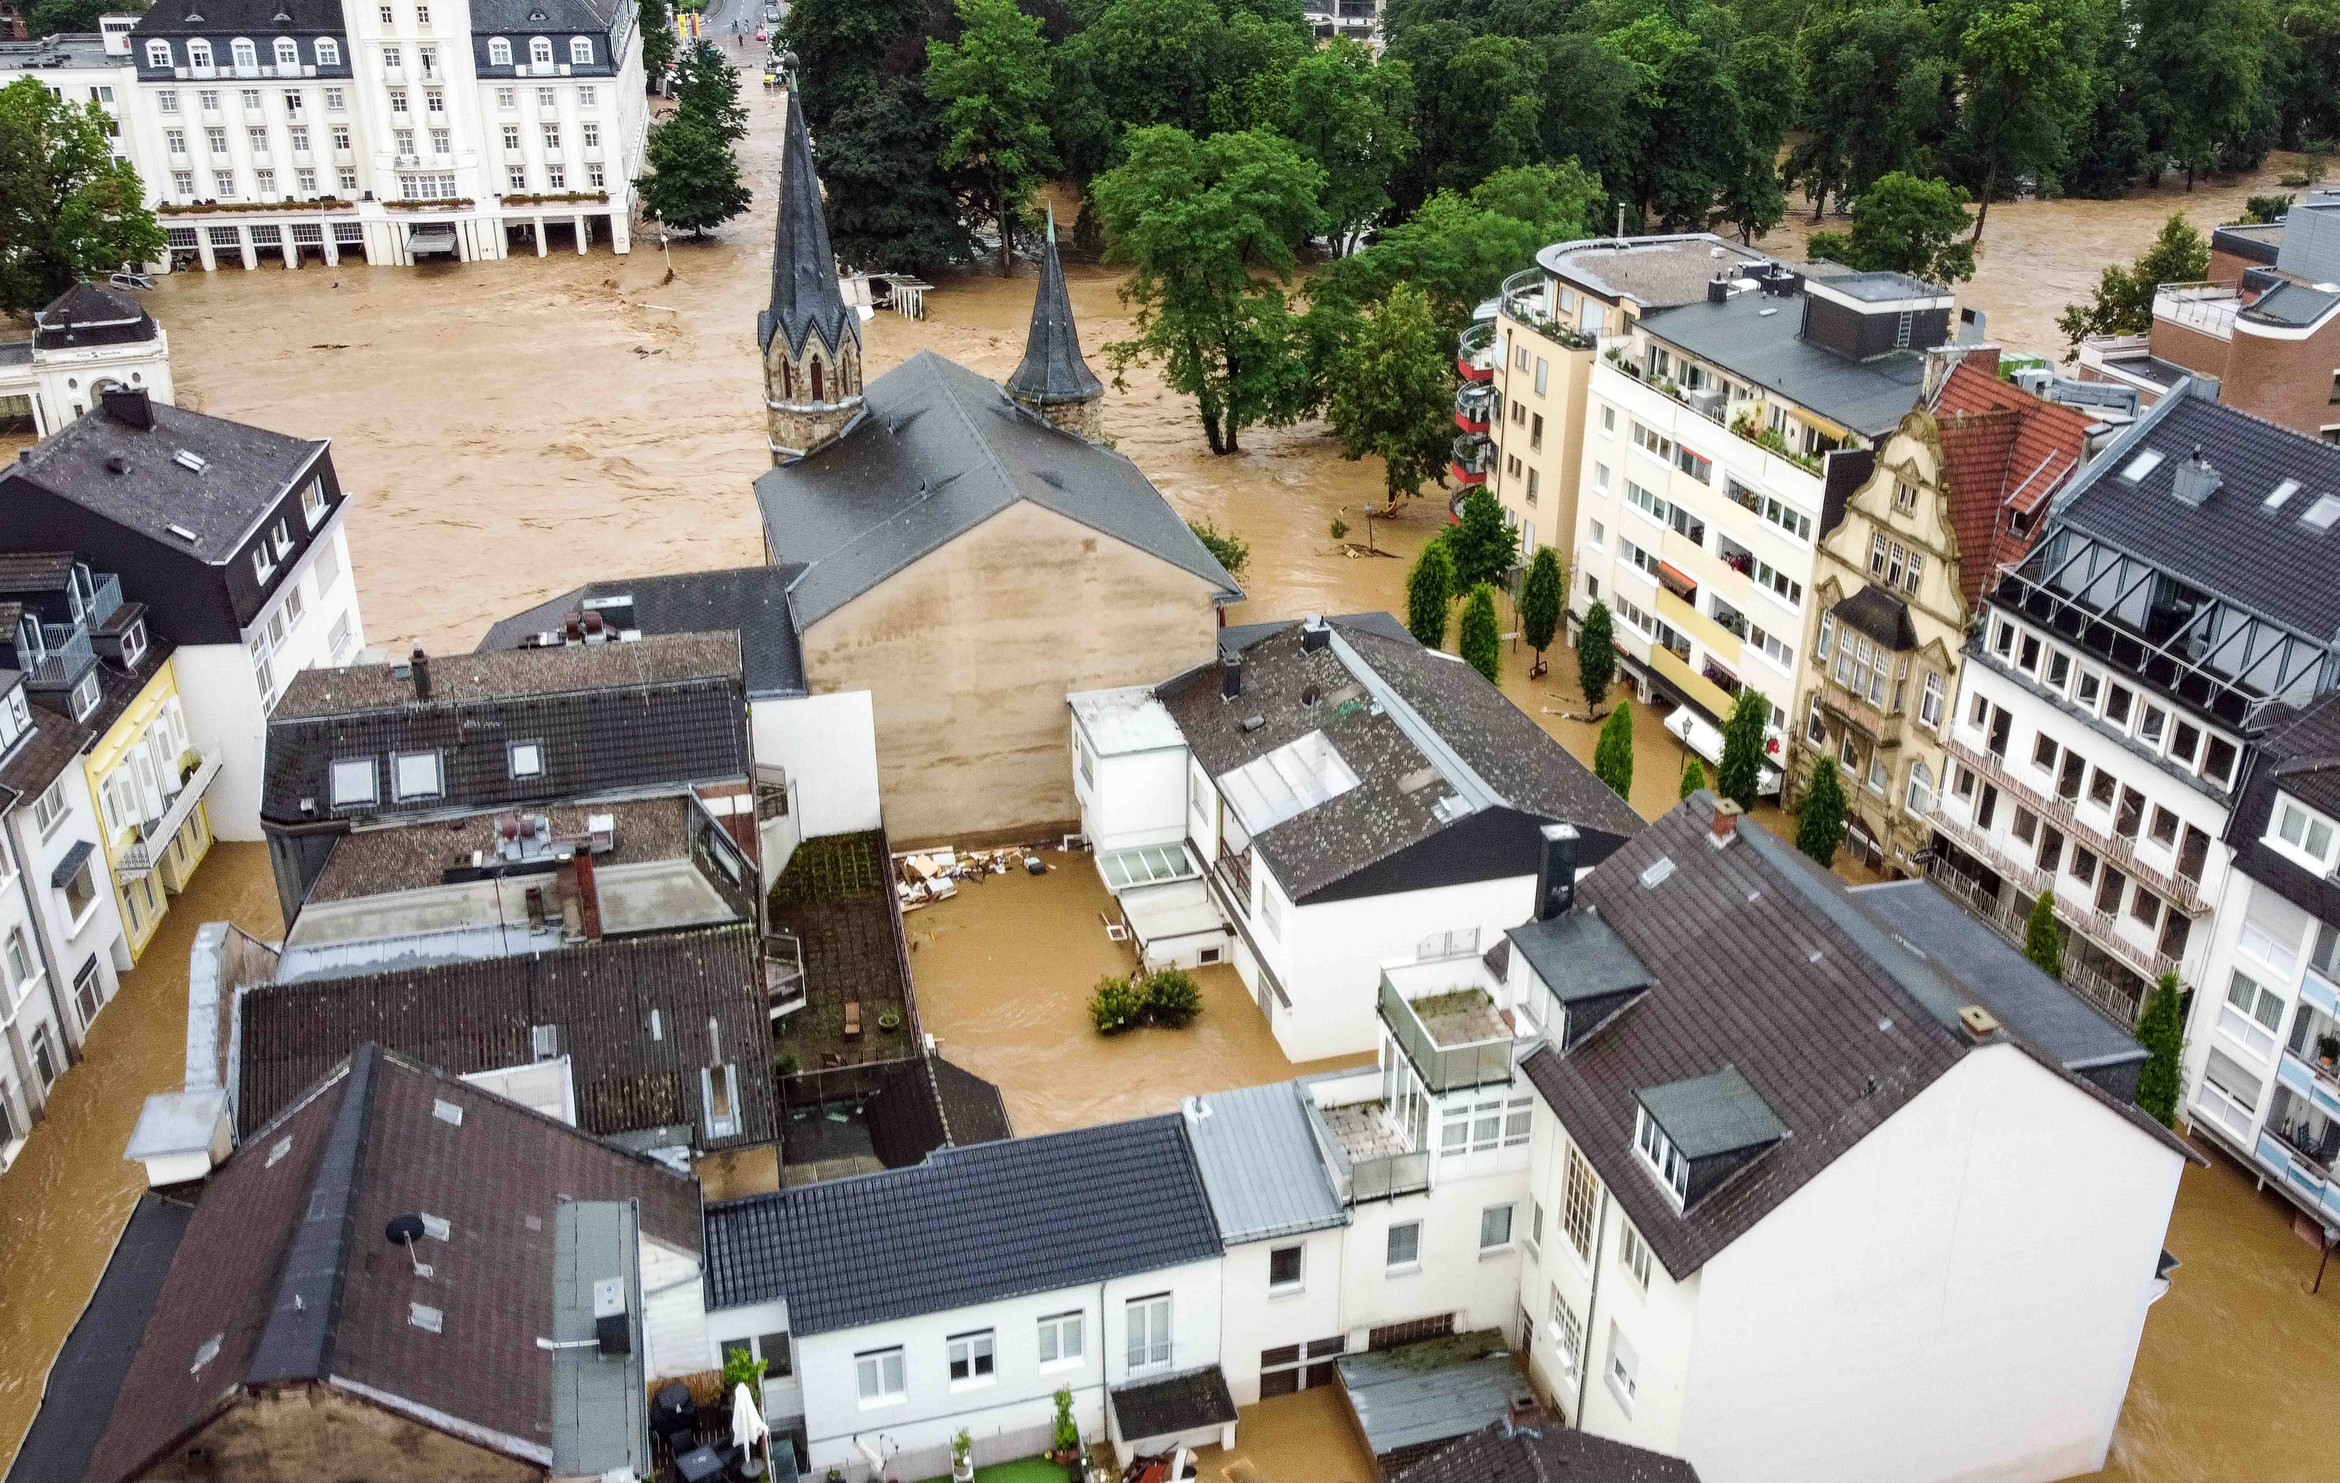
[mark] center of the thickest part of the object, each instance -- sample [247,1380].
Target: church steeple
[810,337]
[1053,380]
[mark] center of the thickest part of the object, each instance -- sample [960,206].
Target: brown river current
[511,429]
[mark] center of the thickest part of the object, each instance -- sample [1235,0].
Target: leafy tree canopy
[1820,823]
[1390,393]
[68,209]
[1541,598]
[1596,655]
[890,203]
[2123,302]
[1351,113]
[693,182]
[1480,639]
[991,88]
[1613,752]
[1429,593]
[1486,543]
[1903,224]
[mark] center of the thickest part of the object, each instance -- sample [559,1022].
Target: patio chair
[853,1019]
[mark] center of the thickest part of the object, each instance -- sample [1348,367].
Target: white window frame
[1149,1344]
[1624,1369]
[1659,1157]
[1510,1214]
[1633,1254]
[977,1351]
[1296,1283]
[1063,1339]
[49,809]
[1412,1263]
[880,1377]
[580,51]
[398,789]
[2289,814]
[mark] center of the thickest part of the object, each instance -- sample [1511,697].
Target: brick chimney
[1726,822]
[420,667]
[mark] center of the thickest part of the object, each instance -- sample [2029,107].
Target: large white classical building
[317,130]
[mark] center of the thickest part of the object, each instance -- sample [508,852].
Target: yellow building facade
[148,779]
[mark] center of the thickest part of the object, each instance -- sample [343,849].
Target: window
[2308,837]
[398,100]
[1697,466]
[245,53]
[388,17]
[1535,1239]
[1404,1246]
[216,139]
[1920,797]
[556,177]
[414,775]
[552,136]
[1567,1333]
[1930,702]
[2251,1013]
[585,97]
[547,98]
[223,187]
[591,133]
[499,55]
[511,136]
[1633,1254]
[86,696]
[1624,1368]
[434,100]
[1060,1338]
[507,98]
[1495,1228]
[1284,1269]
[526,759]
[1579,1193]
[80,893]
[336,102]
[1149,1332]
[390,58]
[540,51]
[158,54]
[581,51]
[288,52]
[971,1357]
[596,176]
[19,962]
[879,1374]
[345,179]
[1664,1160]
[89,990]
[167,100]
[175,140]
[1789,519]
[1904,496]
[1655,444]
[329,55]
[199,55]
[441,142]
[1609,420]
[341,138]
[44,1056]
[49,808]
[300,138]
[264,182]
[422,15]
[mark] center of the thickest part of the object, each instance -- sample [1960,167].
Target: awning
[1680,582]
[431,237]
[70,866]
[1696,733]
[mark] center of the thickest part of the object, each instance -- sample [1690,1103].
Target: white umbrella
[747,1418]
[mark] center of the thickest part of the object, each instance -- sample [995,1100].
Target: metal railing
[65,654]
[1237,869]
[1474,402]
[155,834]
[105,598]
[2207,307]
[1443,1068]
[2119,1002]
[2174,885]
[1474,348]
[1380,1177]
[1474,456]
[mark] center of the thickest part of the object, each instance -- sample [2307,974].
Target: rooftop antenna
[402,1230]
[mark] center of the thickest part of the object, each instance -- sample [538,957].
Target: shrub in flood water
[1116,1006]
[1168,998]
[1172,1000]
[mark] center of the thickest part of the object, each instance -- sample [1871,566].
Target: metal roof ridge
[1435,749]
[296,1341]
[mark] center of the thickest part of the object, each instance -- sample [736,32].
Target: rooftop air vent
[1979,1022]
[1315,634]
[190,460]
[2195,480]
[117,464]
[1658,873]
[1253,723]
[183,533]
[1309,695]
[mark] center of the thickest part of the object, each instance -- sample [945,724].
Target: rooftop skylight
[2143,464]
[2323,512]
[2281,492]
[1287,782]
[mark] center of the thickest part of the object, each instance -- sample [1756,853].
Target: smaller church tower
[810,337]
[1053,380]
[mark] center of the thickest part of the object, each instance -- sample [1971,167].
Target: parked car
[128,279]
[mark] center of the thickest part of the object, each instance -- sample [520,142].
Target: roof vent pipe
[1556,872]
[420,664]
[1231,675]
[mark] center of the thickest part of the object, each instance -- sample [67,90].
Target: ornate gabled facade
[1053,380]
[810,337]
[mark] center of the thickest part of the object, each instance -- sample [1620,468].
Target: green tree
[1596,656]
[1348,112]
[2123,303]
[1209,67]
[1480,639]
[2025,91]
[1613,753]
[1820,823]
[2043,939]
[1871,98]
[1209,227]
[1429,593]
[694,181]
[992,88]
[1739,776]
[68,208]
[658,40]
[2202,70]
[1232,551]
[1486,544]
[1541,597]
[48,17]
[1458,249]
[890,203]
[1693,778]
[709,92]
[2161,1029]
[844,47]
[1903,224]
[1391,392]
[1477,102]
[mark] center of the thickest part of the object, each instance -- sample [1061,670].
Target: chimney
[128,406]
[588,896]
[420,664]
[2195,480]
[1726,822]
[1718,288]
[1315,634]
[1231,675]
[1556,872]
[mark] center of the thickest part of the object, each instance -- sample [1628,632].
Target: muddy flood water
[508,430]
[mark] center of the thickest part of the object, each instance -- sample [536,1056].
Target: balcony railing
[105,597]
[2173,885]
[2208,308]
[1443,1068]
[155,834]
[1856,710]
[1474,352]
[66,654]
[1474,406]
[1375,1177]
[1474,456]
[2117,1001]
[1237,869]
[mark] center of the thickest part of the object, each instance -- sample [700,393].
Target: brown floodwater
[63,1203]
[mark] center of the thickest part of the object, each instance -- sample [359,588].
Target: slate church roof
[751,601]
[805,297]
[1052,369]
[937,451]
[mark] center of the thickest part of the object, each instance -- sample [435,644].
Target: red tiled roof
[2007,451]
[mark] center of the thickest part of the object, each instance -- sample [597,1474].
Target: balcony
[1474,353]
[1856,710]
[155,834]
[1447,1024]
[1691,623]
[1235,867]
[1474,404]
[65,657]
[1473,458]
[2205,308]
[2172,884]
[1369,1155]
[1527,300]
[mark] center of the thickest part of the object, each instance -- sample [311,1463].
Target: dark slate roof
[751,601]
[1882,287]
[1579,956]
[2299,755]
[1244,635]
[2291,306]
[86,315]
[53,745]
[805,297]
[655,712]
[928,1103]
[937,451]
[1052,369]
[479,1016]
[1767,964]
[959,1229]
[2271,564]
[247,17]
[531,17]
[2256,243]
[2004,981]
[35,571]
[1176,1403]
[1381,836]
[1875,611]
[366,1144]
[1549,1454]
[1717,1113]
[79,1393]
[1756,336]
[247,470]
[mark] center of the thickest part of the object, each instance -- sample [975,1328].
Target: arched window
[581,51]
[328,52]
[246,54]
[288,52]
[1921,790]
[787,382]
[499,51]
[816,374]
[198,53]
[158,54]
[540,51]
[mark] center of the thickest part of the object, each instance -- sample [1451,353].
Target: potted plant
[963,1457]
[889,1020]
[1067,1448]
[2328,1050]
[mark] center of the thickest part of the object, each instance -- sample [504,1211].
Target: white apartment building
[313,130]
[87,340]
[1329,798]
[1746,1062]
[1721,440]
[2101,719]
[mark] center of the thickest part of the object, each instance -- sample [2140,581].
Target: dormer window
[499,51]
[540,51]
[355,783]
[2303,836]
[719,1099]
[1694,1135]
[313,502]
[198,53]
[328,52]
[262,567]
[288,52]
[158,54]
[1663,1159]
[86,696]
[133,644]
[581,51]
[283,538]
[415,775]
[246,54]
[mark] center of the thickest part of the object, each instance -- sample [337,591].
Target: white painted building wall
[87,943]
[674,1312]
[32,1027]
[1258,1316]
[1129,798]
[828,744]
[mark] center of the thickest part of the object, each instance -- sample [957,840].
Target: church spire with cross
[1053,380]
[810,337]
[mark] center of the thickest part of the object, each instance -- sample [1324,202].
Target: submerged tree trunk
[1982,207]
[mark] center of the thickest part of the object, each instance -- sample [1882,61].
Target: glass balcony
[1447,1025]
[1474,352]
[1474,456]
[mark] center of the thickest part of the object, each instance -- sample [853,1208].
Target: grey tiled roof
[806,299]
[2299,755]
[1765,963]
[86,315]
[1382,836]
[553,17]
[248,17]
[1716,1113]
[938,451]
[2229,545]
[751,601]
[247,470]
[1261,1165]
[1552,1453]
[969,1225]
[1755,336]
[1579,956]
[1875,611]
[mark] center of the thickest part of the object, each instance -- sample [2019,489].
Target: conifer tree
[1596,656]
[2043,939]
[2161,1029]
[1693,778]
[1480,640]
[1429,592]
[1613,753]
[1820,826]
